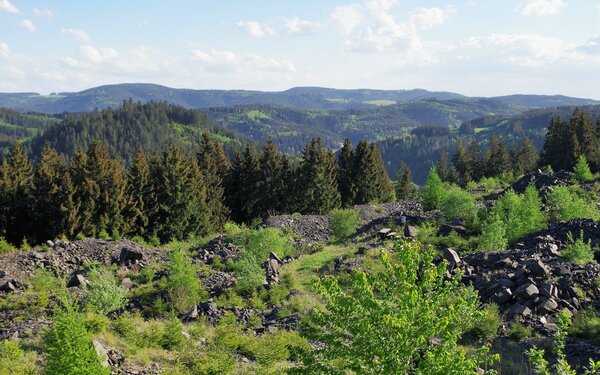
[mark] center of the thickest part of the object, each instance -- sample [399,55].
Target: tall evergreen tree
[442,166]
[15,196]
[317,179]
[475,164]
[271,181]
[405,187]
[141,191]
[462,164]
[582,129]
[211,163]
[346,180]
[555,146]
[527,157]
[498,161]
[52,207]
[370,178]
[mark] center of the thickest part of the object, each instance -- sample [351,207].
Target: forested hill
[299,98]
[151,126]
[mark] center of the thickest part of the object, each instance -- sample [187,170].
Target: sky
[473,47]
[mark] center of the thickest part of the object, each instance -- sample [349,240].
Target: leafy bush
[493,235]
[14,361]
[383,320]
[343,223]
[172,337]
[263,241]
[487,326]
[582,170]
[565,205]
[104,294]
[518,331]
[587,325]
[183,285]
[459,203]
[68,346]
[433,192]
[521,214]
[5,247]
[249,273]
[578,251]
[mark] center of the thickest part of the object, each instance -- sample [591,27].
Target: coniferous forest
[147,239]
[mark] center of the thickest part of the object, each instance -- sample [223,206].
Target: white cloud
[347,17]
[541,7]
[297,26]
[7,54]
[44,13]
[227,62]
[373,26]
[28,25]
[80,36]
[96,55]
[6,6]
[255,29]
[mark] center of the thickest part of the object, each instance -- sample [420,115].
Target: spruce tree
[141,192]
[85,193]
[346,178]
[587,138]
[442,166]
[248,184]
[498,161]
[555,145]
[18,174]
[52,207]
[462,164]
[405,187]
[433,191]
[211,164]
[271,181]
[317,180]
[527,157]
[370,177]
[475,164]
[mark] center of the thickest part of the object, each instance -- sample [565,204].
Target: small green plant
[582,170]
[5,247]
[103,234]
[493,236]
[172,336]
[578,251]
[565,205]
[104,294]
[459,203]
[517,331]
[587,325]
[343,223]
[68,346]
[183,286]
[433,192]
[487,326]
[14,360]
[80,236]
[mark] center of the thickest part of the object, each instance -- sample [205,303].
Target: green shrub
[249,273]
[68,346]
[487,326]
[14,361]
[104,294]
[172,337]
[95,323]
[587,325]
[263,241]
[521,214]
[582,170]
[565,205]
[578,251]
[183,285]
[433,192]
[5,247]
[343,223]
[517,331]
[103,234]
[459,203]
[493,235]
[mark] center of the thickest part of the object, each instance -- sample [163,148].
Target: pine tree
[141,191]
[317,180]
[370,177]
[271,182]
[52,207]
[498,161]
[248,198]
[581,126]
[555,145]
[442,166]
[527,157]
[84,195]
[405,187]
[346,178]
[200,216]
[211,164]
[475,164]
[582,169]
[16,193]
[462,164]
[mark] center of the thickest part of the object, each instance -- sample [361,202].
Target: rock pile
[542,181]
[310,228]
[531,281]
[218,247]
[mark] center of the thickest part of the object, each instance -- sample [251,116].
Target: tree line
[174,194]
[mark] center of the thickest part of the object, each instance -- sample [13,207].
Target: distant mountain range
[297,98]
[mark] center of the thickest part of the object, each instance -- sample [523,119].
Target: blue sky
[474,47]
